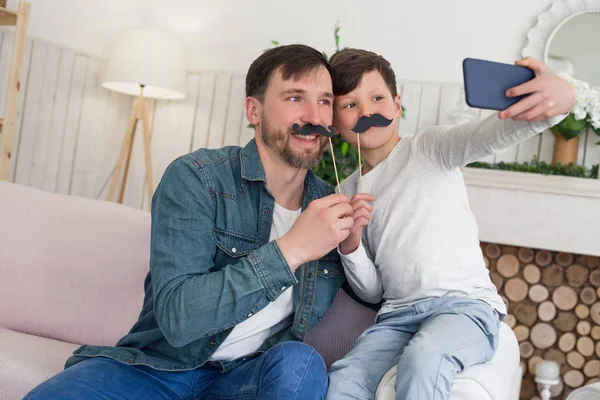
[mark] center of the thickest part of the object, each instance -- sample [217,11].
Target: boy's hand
[318,230]
[361,214]
[549,95]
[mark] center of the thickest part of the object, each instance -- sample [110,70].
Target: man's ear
[398,104]
[253,107]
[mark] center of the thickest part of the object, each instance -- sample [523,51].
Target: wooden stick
[128,156]
[334,166]
[147,153]
[359,164]
[127,140]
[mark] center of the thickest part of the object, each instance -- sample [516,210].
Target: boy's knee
[419,364]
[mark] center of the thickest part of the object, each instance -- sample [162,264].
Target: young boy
[420,252]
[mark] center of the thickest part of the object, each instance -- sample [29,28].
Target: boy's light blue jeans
[289,370]
[430,341]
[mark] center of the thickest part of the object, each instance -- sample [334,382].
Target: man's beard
[280,141]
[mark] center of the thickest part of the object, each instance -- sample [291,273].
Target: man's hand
[549,95]
[361,214]
[318,230]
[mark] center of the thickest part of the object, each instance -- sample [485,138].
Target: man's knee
[298,354]
[302,359]
[296,369]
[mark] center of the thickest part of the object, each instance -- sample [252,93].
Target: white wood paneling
[70,128]
[72,123]
[411,100]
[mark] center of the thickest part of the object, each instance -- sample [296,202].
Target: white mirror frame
[549,22]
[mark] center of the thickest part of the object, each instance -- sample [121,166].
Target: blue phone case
[487,81]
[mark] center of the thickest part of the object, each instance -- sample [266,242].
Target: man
[243,259]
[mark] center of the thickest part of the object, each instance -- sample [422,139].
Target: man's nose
[312,115]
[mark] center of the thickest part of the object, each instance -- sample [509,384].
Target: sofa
[72,272]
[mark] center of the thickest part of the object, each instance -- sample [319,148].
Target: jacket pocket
[233,244]
[329,266]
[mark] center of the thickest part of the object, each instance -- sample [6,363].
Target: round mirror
[574,47]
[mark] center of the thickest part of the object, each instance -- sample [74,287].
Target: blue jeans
[289,370]
[430,341]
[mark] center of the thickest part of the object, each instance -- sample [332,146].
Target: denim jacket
[212,265]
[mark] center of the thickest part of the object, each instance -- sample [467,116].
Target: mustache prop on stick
[310,129]
[362,125]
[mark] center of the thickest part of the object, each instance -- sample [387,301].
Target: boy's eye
[349,105]
[377,98]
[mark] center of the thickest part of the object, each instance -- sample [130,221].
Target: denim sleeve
[192,298]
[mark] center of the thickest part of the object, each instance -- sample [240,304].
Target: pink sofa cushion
[71,268]
[27,360]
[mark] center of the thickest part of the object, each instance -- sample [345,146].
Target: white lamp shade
[147,57]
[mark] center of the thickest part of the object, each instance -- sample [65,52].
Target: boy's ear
[398,104]
[252,110]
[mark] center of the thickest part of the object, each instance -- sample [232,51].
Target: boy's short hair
[349,65]
[293,61]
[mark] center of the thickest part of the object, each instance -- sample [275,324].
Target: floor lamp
[148,64]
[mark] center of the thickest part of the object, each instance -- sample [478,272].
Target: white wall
[81,25]
[425,40]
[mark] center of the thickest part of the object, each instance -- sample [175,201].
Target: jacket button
[234,250]
[249,315]
[213,343]
[325,271]
[283,288]
[266,211]
[309,275]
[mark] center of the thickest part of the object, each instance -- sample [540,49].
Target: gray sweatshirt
[422,240]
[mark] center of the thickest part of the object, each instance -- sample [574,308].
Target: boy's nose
[365,112]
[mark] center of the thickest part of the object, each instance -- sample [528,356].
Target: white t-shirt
[249,335]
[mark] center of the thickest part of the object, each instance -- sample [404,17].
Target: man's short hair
[293,61]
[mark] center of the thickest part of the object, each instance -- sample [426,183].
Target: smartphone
[486,83]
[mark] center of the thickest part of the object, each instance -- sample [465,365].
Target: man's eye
[294,99]
[326,102]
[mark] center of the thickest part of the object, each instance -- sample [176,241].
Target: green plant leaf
[275,43]
[539,167]
[569,127]
[345,147]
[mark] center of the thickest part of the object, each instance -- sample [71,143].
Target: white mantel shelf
[556,213]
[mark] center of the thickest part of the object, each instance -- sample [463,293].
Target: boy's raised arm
[549,100]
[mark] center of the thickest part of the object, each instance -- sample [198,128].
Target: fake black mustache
[310,129]
[365,123]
